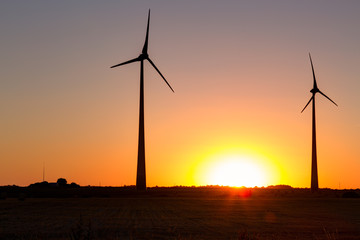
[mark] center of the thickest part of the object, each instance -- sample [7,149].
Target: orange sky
[241,76]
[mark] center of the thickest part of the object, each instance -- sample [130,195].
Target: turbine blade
[327,97]
[130,61]
[312,67]
[308,103]
[160,73]
[145,48]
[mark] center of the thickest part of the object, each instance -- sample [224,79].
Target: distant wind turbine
[314,171]
[43,171]
[141,175]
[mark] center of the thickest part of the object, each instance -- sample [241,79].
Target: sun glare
[236,172]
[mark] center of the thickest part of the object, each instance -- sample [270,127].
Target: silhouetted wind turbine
[314,171]
[141,176]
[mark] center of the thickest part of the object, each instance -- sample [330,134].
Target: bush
[61,182]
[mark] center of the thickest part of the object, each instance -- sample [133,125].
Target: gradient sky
[241,75]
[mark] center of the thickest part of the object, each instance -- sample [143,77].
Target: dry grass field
[172,215]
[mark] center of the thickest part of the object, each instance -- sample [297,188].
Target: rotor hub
[314,90]
[143,56]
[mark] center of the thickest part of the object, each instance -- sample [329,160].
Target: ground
[173,215]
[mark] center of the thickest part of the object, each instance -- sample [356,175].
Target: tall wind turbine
[140,175]
[314,171]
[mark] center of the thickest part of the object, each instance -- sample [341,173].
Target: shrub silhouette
[61,182]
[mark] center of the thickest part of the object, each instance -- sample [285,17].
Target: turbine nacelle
[314,90]
[143,56]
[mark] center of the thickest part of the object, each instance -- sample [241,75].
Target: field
[183,214]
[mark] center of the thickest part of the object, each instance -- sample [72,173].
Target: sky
[241,75]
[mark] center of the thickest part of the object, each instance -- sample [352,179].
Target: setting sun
[236,172]
[237,167]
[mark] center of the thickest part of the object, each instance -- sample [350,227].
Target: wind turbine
[314,171]
[140,175]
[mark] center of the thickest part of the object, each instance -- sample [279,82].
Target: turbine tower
[141,175]
[314,171]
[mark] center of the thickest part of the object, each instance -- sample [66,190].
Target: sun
[236,172]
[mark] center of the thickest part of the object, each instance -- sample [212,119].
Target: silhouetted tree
[74,185]
[61,182]
[40,184]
